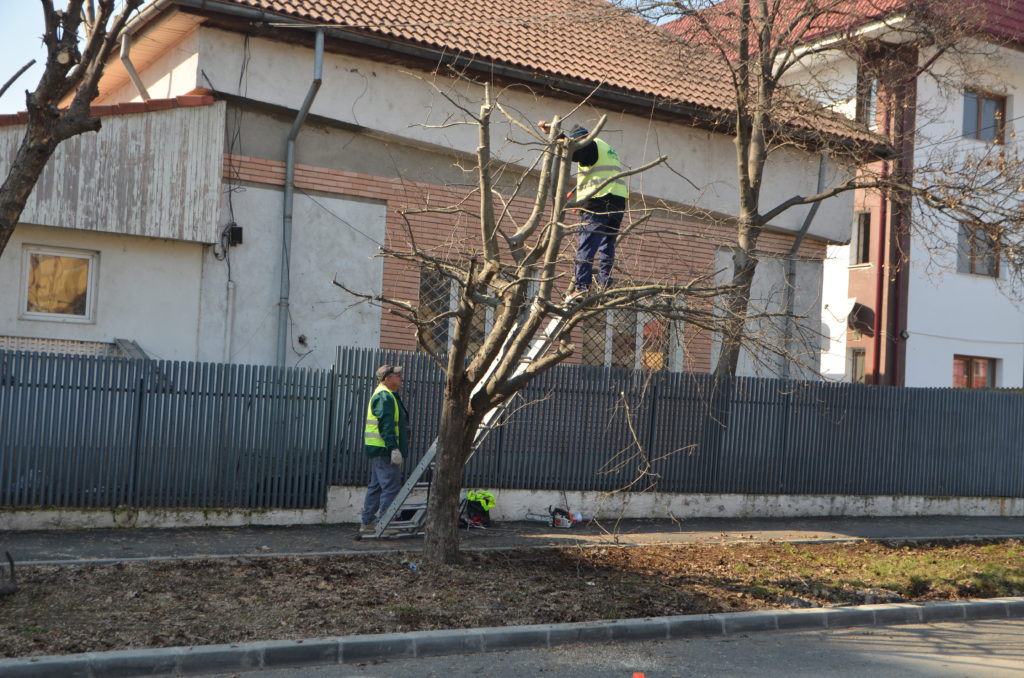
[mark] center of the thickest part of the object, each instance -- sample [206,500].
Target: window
[59,284]
[439,295]
[857,358]
[867,98]
[973,372]
[977,251]
[984,117]
[860,250]
[626,340]
[435,299]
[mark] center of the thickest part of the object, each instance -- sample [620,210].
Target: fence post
[132,497]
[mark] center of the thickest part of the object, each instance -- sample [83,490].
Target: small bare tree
[518,275]
[69,72]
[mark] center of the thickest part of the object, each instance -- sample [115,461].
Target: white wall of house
[835,311]
[145,289]
[393,100]
[953,313]
[764,354]
[173,73]
[332,238]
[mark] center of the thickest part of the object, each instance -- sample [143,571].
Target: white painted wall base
[345,502]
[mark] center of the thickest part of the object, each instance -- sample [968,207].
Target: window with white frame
[58,284]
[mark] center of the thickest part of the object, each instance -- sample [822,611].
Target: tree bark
[36,149]
[454,443]
[737,303]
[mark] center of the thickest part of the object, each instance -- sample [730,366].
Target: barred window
[435,299]
[627,340]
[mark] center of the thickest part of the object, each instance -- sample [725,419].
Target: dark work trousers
[598,229]
[385,482]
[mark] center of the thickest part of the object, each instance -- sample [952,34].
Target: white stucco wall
[332,237]
[834,312]
[146,289]
[762,355]
[395,101]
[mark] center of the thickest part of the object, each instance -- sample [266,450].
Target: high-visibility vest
[591,176]
[371,435]
[483,497]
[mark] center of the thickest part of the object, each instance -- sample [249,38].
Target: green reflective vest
[371,434]
[485,498]
[590,177]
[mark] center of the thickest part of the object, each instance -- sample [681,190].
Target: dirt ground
[79,608]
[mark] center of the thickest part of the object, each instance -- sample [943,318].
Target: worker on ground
[386,443]
[601,209]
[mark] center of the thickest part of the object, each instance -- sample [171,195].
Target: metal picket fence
[89,431]
[81,431]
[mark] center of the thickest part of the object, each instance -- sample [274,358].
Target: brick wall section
[670,247]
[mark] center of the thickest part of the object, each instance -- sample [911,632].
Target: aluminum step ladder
[408,511]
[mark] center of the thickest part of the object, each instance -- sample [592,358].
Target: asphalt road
[989,649]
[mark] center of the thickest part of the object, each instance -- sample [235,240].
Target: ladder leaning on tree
[408,510]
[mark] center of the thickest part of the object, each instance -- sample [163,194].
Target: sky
[20,40]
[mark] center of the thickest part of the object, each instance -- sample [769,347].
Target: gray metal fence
[81,431]
[89,431]
[591,428]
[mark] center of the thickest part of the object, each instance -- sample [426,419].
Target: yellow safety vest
[371,435]
[591,176]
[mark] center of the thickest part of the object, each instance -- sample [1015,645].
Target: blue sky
[20,40]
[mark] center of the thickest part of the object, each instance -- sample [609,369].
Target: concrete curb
[184,661]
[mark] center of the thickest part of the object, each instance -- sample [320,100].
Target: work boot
[367,528]
[574,294]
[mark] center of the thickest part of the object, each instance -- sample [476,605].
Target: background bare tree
[70,71]
[765,47]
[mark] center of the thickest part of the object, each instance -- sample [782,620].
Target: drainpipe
[289,200]
[876,341]
[126,46]
[790,289]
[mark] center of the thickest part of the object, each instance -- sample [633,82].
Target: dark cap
[384,370]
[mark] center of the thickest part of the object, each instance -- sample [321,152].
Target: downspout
[289,200]
[790,289]
[126,46]
[876,340]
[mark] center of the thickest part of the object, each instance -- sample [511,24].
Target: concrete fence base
[345,502]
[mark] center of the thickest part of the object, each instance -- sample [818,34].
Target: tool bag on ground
[476,509]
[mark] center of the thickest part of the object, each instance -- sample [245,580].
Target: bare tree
[69,72]
[764,47]
[517,274]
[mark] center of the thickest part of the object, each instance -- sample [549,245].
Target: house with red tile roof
[192,228]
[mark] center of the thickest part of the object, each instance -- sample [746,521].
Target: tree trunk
[454,441]
[737,303]
[35,151]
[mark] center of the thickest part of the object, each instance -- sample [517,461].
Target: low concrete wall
[345,502]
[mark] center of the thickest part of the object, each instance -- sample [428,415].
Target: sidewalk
[155,544]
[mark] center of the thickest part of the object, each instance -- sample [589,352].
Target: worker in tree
[601,209]
[386,443]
